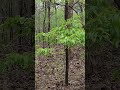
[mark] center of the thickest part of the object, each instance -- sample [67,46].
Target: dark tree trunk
[49,2]
[20,29]
[49,19]
[67,66]
[44,26]
[68,15]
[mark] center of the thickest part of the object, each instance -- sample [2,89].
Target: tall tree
[49,2]
[68,15]
[49,19]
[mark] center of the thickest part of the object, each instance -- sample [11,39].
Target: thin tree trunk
[56,13]
[68,15]
[10,15]
[49,7]
[49,2]
[67,65]
[20,27]
[44,22]
[44,17]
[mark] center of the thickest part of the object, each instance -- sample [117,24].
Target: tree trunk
[49,2]
[68,15]
[49,7]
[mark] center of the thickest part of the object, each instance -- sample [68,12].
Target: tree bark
[49,2]
[68,15]
[49,19]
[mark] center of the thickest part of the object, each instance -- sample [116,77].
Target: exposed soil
[50,71]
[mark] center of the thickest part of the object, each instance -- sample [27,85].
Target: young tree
[69,34]
[68,15]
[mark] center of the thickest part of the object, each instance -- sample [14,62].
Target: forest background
[64,38]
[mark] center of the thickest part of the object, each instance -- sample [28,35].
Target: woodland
[17,45]
[77,41]
[60,41]
[59,45]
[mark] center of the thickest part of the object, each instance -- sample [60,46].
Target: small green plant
[44,51]
[69,37]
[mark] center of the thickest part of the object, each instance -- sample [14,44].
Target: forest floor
[50,71]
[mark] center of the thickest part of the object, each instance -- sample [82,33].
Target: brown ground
[50,70]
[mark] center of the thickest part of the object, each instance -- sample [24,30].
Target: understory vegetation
[70,43]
